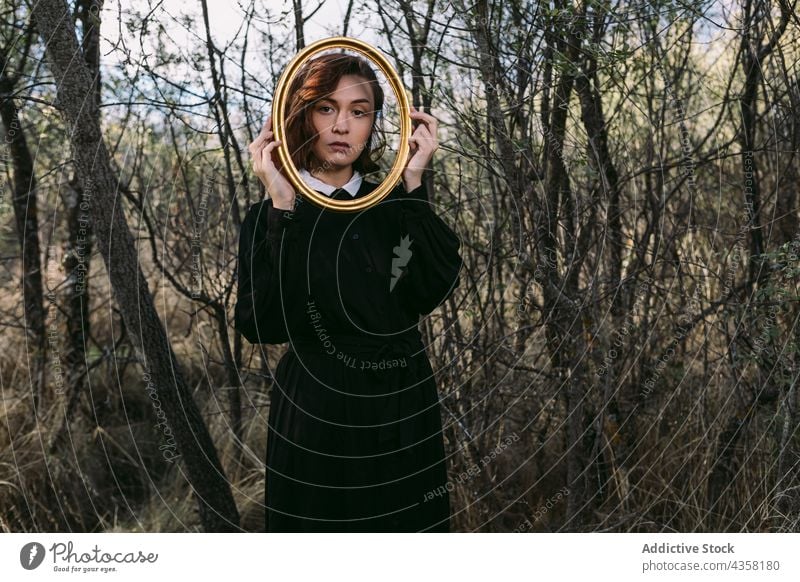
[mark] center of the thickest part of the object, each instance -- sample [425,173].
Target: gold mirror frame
[278,119]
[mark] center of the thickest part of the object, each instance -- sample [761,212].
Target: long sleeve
[265,235]
[432,252]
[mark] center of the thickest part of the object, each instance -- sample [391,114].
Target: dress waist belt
[380,352]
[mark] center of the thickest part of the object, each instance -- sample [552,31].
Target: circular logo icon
[31,555]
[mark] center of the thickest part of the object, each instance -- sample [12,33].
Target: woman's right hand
[279,188]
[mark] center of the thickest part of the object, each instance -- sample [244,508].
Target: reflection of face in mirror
[335,98]
[343,122]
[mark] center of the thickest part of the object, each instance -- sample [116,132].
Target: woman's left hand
[422,143]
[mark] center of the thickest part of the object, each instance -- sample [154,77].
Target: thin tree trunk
[77,259]
[561,310]
[27,223]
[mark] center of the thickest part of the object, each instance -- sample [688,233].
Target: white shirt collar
[352,187]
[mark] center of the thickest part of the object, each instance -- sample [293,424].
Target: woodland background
[622,353]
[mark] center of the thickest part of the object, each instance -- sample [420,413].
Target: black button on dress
[355,435]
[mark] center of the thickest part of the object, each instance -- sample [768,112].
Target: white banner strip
[397,557]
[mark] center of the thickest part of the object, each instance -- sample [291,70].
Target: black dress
[355,435]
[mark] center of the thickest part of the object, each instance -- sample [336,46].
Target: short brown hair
[316,80]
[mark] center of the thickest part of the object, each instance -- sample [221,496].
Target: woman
[355,436]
